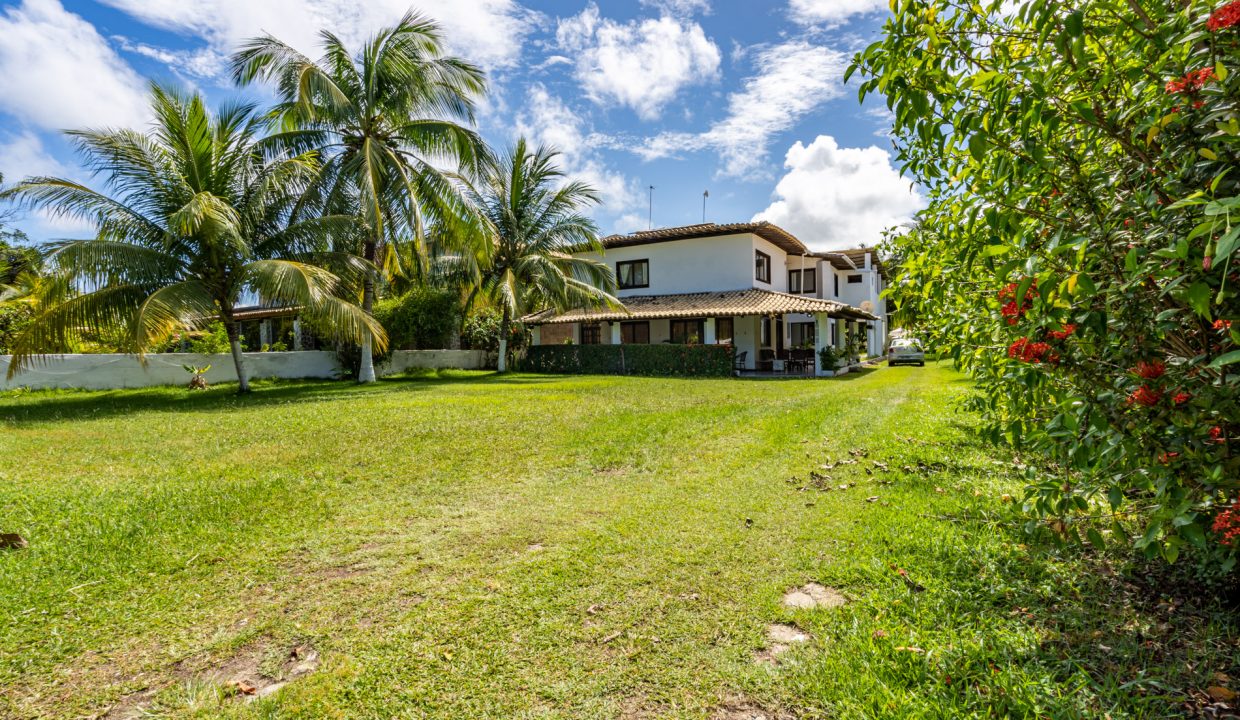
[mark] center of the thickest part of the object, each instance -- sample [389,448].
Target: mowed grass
[467,546]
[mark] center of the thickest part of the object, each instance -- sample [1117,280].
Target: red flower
[1146,396]
[1127,222]
[1206,263]
[1216,434]
[1224,17]
[1181,397]
[1068,329]
[1227,524]
[1192,81]
[1167,457]
[1150,370]
[1222,324]
[1030,352]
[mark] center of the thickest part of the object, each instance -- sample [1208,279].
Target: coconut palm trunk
[505,324]
[233,328]
[366,371]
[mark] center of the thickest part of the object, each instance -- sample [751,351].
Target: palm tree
[385,121]
[537,227]
[194,219]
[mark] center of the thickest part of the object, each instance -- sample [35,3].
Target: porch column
[536,332]
[297,333]
[615,333]
[822,338]
[264,332]
[708,330]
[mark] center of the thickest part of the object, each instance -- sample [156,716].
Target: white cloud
[679,8]
[834,197]
[832,12]
[794,79]
[57,72]
[23,155]
[487,32]
[642,64]
[546,120]
[200,63]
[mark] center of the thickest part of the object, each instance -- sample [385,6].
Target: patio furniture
[766,358]
[738,363]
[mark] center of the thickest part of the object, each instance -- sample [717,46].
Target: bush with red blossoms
[1081,159]
[1227,524]
[1224,17]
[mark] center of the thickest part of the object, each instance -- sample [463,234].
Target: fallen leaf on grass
[872,498]
[1220,693]
[910,649]
[880,634]
[938,489]
[240,686]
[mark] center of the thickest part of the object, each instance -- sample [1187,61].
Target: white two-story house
[751,285]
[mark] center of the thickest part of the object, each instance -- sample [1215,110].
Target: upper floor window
[633,274]
[837,284]
[802,281]
[762,266]
[854,279]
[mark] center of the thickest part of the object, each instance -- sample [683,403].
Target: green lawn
[469,546]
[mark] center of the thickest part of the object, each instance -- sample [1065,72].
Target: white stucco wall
[700,264]
[111,372]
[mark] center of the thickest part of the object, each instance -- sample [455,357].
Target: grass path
[540,547]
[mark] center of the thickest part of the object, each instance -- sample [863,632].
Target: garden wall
[110,372]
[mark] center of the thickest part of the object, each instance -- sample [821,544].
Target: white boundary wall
[110,372]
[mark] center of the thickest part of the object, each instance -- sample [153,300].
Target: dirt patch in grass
[781,637]
[745,709]
[812,595]
[257,670]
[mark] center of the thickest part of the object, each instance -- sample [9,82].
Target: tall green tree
[1079,252]
[537,224]
[192,220]
[386,120]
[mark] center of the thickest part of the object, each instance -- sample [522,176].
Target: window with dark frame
[632,274]
[766,333]
[683,331]
[854,279]
[762,266]
[591,334]
[809,281]
[723,330]
[635,333]
[794,281]
[837,284]
[802,333]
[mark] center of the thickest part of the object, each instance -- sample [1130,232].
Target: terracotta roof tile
[707,304]
[774,234]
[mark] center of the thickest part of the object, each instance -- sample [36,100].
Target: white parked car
[905,350]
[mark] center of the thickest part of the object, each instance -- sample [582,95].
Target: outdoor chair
[738,363]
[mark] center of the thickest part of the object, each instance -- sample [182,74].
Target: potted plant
[829,358]
[198,380]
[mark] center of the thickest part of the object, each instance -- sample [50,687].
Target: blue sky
[744,99]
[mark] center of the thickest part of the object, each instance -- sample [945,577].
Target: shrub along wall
[682,360]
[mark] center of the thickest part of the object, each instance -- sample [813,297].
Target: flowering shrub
[1078,255]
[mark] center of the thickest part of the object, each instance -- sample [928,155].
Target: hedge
[682,360]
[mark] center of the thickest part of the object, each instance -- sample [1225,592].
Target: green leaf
[1226,359]
[1227,243]
[977,146]
[1095,538]
[1198,298]
[1075,23]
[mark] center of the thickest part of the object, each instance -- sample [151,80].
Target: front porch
[773,334]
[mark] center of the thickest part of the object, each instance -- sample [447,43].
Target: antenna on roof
[650,218]
[705,194]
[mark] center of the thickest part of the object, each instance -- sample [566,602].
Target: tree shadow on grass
[1015,618]
[44,406]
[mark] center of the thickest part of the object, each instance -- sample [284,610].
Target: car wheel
[921,364]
